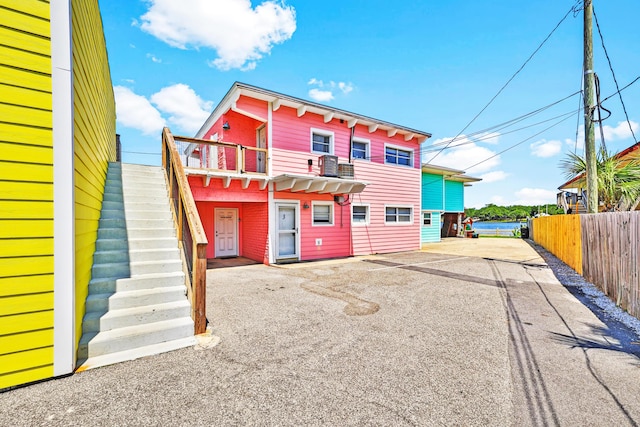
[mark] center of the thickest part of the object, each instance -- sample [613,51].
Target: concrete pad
[508,249]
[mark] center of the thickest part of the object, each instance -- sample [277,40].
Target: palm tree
[618,178]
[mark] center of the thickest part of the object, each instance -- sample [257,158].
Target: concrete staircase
[137,304]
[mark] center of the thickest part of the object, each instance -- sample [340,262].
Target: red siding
[255,226]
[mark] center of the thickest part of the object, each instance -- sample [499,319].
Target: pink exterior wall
[336,240]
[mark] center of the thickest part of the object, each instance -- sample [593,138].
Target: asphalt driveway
[419,338]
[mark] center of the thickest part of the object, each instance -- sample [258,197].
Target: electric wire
[573,9]
[606,54]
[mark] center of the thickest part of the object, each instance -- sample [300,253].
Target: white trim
[322,132]
[331,222]
[64,310]
[398,223]
[367,153]
[296,205]
[368,217]
[401,148]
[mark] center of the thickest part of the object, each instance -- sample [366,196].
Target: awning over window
[317,184]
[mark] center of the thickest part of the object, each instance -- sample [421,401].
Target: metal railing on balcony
[191,236]
[219,156]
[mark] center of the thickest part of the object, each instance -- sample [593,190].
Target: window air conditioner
[345,170]
[328,165]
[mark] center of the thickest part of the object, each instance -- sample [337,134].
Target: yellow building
[57,135]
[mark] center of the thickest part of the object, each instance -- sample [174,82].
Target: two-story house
[442,201]
[279,179]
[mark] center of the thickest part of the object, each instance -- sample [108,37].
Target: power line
[573,9]
[606,54]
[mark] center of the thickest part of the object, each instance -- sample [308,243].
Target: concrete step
[98,321]
[150,223]
[112,233]
[141,233]
[110,257]
[129,299]
[147,281]
[111,245]
[98,344]
[114,270]
[155,254]
[153,243]
[150,267]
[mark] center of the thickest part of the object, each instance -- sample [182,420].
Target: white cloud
[544,148]
[185,108]
[493,177]
[535,196]
[135,111]
[320,95]
[241,35]
[464,156]
[323,92]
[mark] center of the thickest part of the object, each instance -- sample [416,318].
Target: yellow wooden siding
[561,235]
[94,137]
[26,193]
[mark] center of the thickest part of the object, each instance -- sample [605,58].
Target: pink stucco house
[280,179]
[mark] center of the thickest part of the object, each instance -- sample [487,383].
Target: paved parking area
[418,338]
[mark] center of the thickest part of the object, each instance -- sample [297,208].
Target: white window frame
[430,219]
[367,220]
[367,150]
[331,214]
[322,132]
[397,147]
[398,223]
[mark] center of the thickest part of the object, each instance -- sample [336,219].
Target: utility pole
[589,131]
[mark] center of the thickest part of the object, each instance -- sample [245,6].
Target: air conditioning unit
[345,170]
[328,165]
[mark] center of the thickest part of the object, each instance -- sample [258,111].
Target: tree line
[493,212]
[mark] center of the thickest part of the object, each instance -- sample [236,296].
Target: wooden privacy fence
[607,245]
[191,235]
[560,235]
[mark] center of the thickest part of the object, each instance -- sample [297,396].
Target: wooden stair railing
[191,236]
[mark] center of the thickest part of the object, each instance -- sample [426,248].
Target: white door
[261,142]
[226,229]
[287,231]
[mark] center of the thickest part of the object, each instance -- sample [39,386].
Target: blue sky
[429,65]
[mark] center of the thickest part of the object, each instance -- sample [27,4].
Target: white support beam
[276,104]
[226,181]
[301,110]
[328,117]
[331,187]
[409,136]
[392,132]
[351,123]
[373,128]
[302,185]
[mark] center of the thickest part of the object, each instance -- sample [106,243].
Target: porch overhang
[227,178]
[317,184]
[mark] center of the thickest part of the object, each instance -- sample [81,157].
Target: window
[360,149]
[397,214]
[397,156]
[426,218]
[360,214]
[321,141]
[322,213]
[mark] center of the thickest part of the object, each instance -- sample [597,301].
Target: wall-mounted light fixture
[306,205]
[226,126]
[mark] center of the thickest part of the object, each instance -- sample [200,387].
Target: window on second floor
[360,149]
[321,141]
[398,156]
